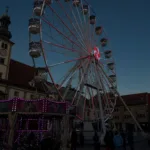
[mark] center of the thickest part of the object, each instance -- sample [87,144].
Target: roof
[20,75]
[134,99]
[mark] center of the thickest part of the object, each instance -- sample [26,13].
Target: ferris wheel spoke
[99,99]
[108,85]
[71,22]
[84,26]
[68,87]
[87,35]
[93,36]
[80,28]
[123,102]
[65,78]
[64,23]
[81,81]
[50,24]
[84,73]
[105,92]
[61,46]
[68,61]
[93,100]
[109,80]
[70,78]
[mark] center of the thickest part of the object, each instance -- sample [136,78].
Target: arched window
[3,45]
[6,46]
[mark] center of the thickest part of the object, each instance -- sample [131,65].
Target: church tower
[5,45]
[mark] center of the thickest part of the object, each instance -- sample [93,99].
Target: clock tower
[5,45]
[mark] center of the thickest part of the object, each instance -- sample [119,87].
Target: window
[31,96]
[116,117]
[2,60]
[141,115]
[5,46]
[127,116]
[16,94]
[1,74]
[88,113]
[116,110]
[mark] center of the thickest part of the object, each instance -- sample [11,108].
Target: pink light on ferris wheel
[97,53]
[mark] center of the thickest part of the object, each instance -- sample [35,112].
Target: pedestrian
[96,141]
[130,139]
[123,134]
[81,139]
[108,139]
[47,142]
[118,141]
[74,140]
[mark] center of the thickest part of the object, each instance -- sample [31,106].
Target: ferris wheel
[68,42]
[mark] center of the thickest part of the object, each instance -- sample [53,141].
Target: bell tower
[5,45]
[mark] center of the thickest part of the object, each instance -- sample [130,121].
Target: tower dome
[4,25]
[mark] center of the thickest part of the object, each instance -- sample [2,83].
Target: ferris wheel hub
[96,53]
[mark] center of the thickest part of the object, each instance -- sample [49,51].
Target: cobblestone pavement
[141,145]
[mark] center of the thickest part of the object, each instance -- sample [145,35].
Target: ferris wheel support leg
[65,135]
[100,105]
[121,99]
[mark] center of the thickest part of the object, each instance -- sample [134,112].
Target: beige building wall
[12,91]
[122,116]
[6,54]
[2,88]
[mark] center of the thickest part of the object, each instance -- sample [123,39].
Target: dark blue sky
[127,23]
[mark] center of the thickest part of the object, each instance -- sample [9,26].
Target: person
[130,139]
[73,140]
[81,139]
[118,141]
[96,142]
[47,142]
[108,139]
[124,138]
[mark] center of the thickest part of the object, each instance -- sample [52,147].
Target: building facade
[138,105]
[16,77]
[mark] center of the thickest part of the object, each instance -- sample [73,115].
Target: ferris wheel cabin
[37,7]
[111,65]
[41,75]
[76,3]
[85,9]
[34,26]
[113,78]
[35,49]
[104,42]
[92,19]
[108,54]
[98,30]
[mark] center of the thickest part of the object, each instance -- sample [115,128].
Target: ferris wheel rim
[46,64]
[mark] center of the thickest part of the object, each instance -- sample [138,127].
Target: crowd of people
[114,140]
[119,140]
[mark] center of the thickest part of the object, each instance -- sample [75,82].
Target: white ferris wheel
[71,47]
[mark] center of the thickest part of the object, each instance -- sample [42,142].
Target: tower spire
[4,24]
[7,9]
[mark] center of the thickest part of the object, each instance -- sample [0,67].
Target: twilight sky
[128,27]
